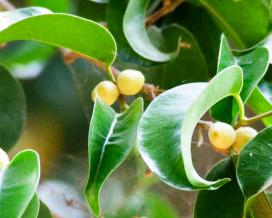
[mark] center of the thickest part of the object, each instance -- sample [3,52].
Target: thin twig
[248,121]
[200,137]
[204,124]
[6,5]
[168,7]
[69,57]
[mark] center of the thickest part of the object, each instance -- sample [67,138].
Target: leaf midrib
[113,124]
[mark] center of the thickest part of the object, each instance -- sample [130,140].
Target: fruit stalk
[247,121]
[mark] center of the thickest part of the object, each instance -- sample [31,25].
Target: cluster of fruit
[222,136]
[129,82]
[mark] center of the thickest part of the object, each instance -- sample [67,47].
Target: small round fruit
[130,82]
[221,135]
[243,136]
[107,91]
[4,159]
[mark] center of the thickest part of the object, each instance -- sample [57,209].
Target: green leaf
[126,55]
[88,38]
[255,163]
[259,104]
[167,126]
[190,65]
[26,59]
[111,137]
[56,6]
[33,208]
[44,211]
[37,209]
[244,28]
[83,9]
[254,173]
[205,31]
[260,207]
[19,181]
[254,65]
[12,110]
[100,1]
[137,36]
[228,201]
[24,52]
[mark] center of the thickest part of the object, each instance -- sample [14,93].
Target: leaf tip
[219,183]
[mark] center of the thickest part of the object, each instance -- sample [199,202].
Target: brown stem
[204,124]
[6,5]
[69,57]
[168,7]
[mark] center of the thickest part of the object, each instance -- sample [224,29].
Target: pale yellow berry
[107,91]
[4,159]
[221,135]
[130,82]
[243,136]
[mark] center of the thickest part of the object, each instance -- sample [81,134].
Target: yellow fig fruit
[130,82]
[243,136]
[107,91]
[221,135]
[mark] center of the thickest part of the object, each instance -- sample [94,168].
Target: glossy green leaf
[254,65]
[136,34]
[189,66]
[12,110]
[88,38]
[100,1]
[205,30]
[36,209]
[19,181]
[245,28]
[33,208]
[111,137]
[254,164]
[167,126]
[44,211]
[228,201]
[126,55]
[260,104]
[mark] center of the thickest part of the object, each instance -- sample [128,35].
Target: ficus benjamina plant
[174,75]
